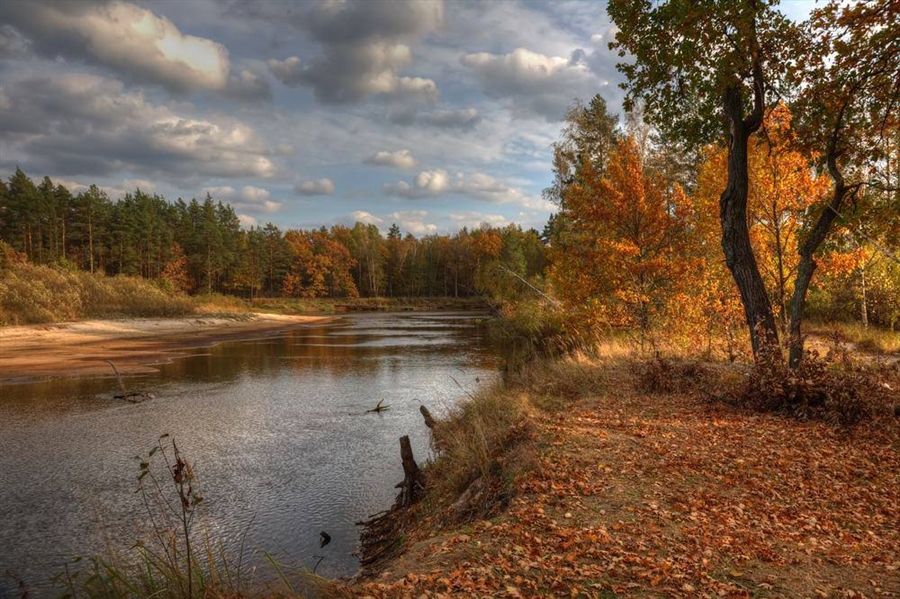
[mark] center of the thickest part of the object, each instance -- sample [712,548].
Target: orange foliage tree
[320,266]
[624,250]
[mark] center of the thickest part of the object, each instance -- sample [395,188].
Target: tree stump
[430,422]
[411,488]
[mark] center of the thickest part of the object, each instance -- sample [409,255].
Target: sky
[431,114]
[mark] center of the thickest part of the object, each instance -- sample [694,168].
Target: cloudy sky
[426,113]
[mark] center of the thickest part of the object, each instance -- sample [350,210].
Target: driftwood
[430,422]
[378,408]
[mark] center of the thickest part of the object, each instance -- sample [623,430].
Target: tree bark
[807,265]
[733,215]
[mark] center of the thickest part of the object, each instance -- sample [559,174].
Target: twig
[530,286]
[321,557]
[378,407]
[118,377]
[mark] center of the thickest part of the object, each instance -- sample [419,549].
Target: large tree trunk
[733,215]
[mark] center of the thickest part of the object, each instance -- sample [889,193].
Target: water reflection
[276,428]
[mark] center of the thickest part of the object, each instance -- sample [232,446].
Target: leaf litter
[671,495]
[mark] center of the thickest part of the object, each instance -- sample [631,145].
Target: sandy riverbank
[133,344]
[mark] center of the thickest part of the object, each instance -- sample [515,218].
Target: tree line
[200,247]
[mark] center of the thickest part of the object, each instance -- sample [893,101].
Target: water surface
[275,427]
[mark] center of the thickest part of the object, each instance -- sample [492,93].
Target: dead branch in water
[378,407]
[118,377]
[134,396]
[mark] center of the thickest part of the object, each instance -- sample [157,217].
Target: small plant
[171,565]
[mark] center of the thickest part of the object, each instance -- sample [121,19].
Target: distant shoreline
[71,349]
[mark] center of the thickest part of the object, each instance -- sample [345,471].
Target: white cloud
[533,83]
[417,86]
[473,220]
[413,221]
[289,71]
[364,217]
[398,159]
[319,187]
[254,194]
[433,183]
[538,204]
[124,37]
[487,188]
[224,193]
[247,221]
[52,122]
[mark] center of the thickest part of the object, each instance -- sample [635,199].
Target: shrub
[530,330]
[32,294]
[661,375]
[817,389]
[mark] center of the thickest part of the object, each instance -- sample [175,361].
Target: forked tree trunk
[733,215]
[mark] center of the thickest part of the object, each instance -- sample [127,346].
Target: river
[276,429]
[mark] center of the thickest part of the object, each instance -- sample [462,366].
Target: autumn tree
[628,232]
[321,265]
[702,70]
[588,137]
[849,81]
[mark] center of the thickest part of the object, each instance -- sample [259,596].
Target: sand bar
[132,344]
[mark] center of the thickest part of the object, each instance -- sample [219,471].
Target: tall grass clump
[538,329]
[487,441]
[475,444]
[217,303]
[33,294]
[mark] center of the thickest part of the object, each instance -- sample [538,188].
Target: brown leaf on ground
[669,495]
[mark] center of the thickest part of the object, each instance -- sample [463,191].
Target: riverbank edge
[81,348]
[135,345]
[596,503]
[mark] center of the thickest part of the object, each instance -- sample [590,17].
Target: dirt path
[80,348]
[668,495]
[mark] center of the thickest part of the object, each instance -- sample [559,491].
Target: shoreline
[71,349]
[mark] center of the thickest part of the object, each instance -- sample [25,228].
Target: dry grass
[475,443]
[871,339]
[31,294]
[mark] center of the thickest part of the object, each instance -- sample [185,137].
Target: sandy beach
[132,344]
